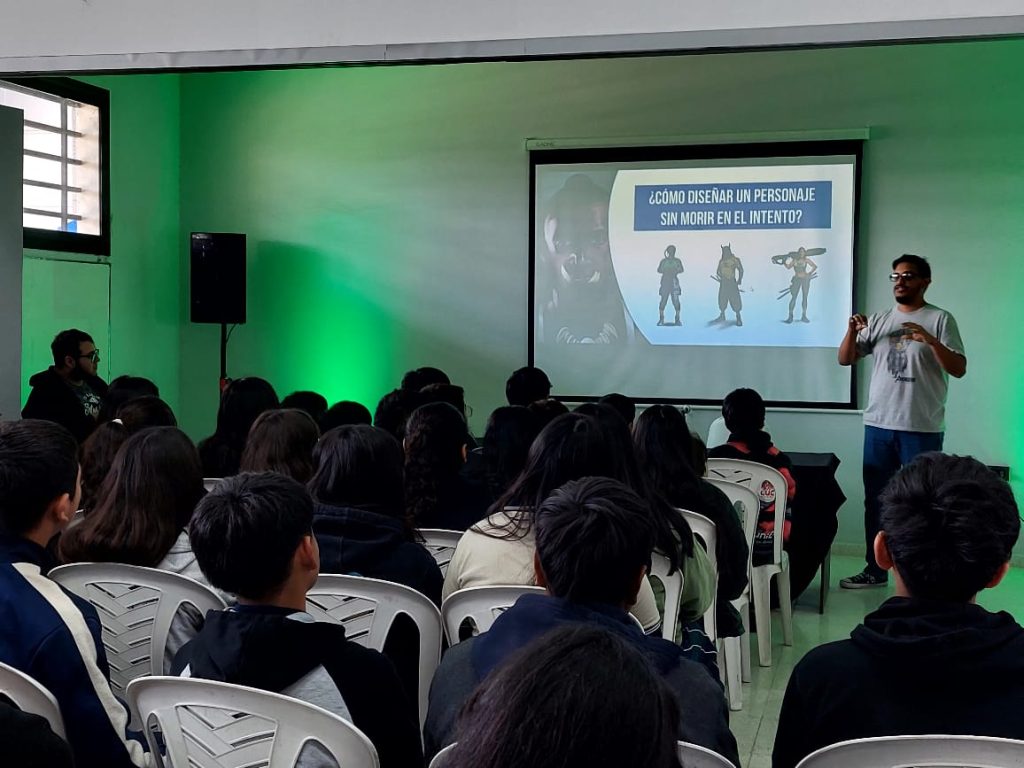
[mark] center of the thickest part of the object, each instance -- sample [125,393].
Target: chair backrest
[368,607]
[704,529]
[922,751]
[136,606]
[764,481]
[718,433]
[744,501]
[209,483]
[441,544]
[208,723]
[696,756]
[690,755]
[673,586]
[29,695]
[481,605]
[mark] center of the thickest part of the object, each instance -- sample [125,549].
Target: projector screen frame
[553,152]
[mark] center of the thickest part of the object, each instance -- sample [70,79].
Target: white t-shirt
[908,385]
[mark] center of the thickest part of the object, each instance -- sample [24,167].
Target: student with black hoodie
[252,536]
[929,660]
[594,539]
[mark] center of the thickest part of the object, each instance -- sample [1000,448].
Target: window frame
[75,242]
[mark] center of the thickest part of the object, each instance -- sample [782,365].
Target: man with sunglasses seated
[916,347]
[69,391]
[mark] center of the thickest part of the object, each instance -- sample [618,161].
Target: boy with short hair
[929,660]
[45,631]
[252,536]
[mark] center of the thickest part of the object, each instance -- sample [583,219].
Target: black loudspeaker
[218,277]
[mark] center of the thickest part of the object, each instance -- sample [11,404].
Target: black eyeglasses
[94,356]
[905,276]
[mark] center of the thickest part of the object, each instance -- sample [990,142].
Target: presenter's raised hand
[917,333]
[858,323]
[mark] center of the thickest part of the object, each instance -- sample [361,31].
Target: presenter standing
[916,347]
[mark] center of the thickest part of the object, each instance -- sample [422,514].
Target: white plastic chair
[209,483]
[136,606]
[673,586]
[441,544]
[755,477]
[696,756]
[704,529]
[208,723]
[690,755]
[31,696]
[718,433]
[368,607]
[737,649]
[481,605]
[921,751]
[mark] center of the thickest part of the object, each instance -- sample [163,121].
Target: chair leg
[763,619]
[786,605]
[733,677]
[747,672]
[826,578]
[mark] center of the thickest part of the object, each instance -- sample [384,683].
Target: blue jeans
[885,451]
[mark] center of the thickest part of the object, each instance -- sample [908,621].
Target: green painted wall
[386,208]
[144,276]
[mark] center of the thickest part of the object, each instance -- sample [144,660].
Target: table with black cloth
[815,520]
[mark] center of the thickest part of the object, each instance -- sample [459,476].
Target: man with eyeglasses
[916,347]
[69,391]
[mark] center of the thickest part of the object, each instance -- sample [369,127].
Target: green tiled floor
[755,725]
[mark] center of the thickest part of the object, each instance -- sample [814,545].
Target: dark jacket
[364,543]
[54,636]
[461,502]
[53,399]
[913,667]
[703,716]
[28,741]
[280,650]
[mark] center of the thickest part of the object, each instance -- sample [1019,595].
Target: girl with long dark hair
[240,403]
[281,440]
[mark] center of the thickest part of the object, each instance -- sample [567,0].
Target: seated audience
[394,409]
[664,452]
[594,539]
[547,410]
[240,403]
[578,697]
[121,390]
[930,659]
[99,449]
[28,741]
[418,378]
[343,413]
[499,549]
[282,441]
[141,516]
[674,539]
[510,431]
[253,537]
[68,392]
[45,631]
[743,410]
[437,494]
[452,394]
[360,519]
[624,406]
[312,403]
[527,385]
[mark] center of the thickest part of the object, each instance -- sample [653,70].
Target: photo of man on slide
[804,270]
[670,268]
[730,277]
[578,296]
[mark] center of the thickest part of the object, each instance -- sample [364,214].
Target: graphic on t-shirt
[896,358]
